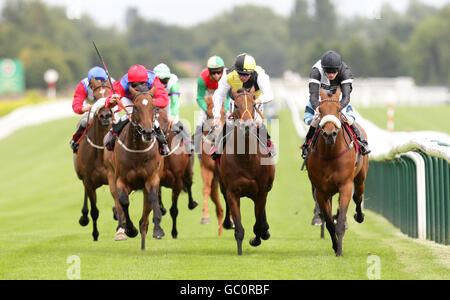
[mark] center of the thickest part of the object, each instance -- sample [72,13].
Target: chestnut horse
[176,171]
[243,171]
[334,166]
[88,160]
[210,177]
[134,165]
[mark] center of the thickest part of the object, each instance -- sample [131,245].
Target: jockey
[83,99]
[143,80]
[245,74]
[170,83]
[329,73]
[207,83]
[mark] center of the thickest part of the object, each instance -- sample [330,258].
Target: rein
[246,107]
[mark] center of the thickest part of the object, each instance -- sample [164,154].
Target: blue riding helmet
[97,73]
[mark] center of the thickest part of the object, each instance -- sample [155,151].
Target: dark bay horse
[334,166]
[242,172]
[134,165]
[176,171]
[210,175]
[88,160]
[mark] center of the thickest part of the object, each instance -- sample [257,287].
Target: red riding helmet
[137,73]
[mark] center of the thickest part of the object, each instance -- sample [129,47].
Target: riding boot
[217,141]
[364,145]
[197,139]
[114,133]
[269,143]
[186,138]
[163,146]
[74,142]
[305,147]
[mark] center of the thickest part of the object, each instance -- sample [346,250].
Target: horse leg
[345,193]
[94,211]
[143,222]
[174,209]
[161,205]
[207,177]
[227,222]
[326,209]
[216,199]
[261,228]
[158,232]
[187,183]
[84,219]
[124,202]
[358,197]
[234,203]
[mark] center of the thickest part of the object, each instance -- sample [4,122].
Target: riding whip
[104,66]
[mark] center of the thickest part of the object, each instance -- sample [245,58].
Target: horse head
[100,89]
[330,111]
[144,113]
[244,109]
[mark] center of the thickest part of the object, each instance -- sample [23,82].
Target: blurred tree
[325,25]
[429,55]
[357,56]
[389,57]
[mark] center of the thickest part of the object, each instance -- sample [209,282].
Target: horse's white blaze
[332,119]
[144,102]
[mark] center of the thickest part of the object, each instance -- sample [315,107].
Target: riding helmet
[97,73]
[162,71]
[245,63]
[331,61]
[137,73]
[215,62]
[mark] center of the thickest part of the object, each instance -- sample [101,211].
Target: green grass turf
[41,200]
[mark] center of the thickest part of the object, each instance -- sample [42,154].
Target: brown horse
[334,166]
[176,171]
[88,160]
[210,176]
[134,165]
[242,172]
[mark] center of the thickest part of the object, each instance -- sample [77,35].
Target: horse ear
[337,94]
[252,90]
[323,94]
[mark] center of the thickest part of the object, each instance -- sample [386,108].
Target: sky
[191,12]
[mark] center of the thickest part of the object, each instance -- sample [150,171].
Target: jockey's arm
[314,86]
[201,92]
[219,95]
[174,94]
[346,89]
[160,96]
[78,99]
[266,89]
[119,93]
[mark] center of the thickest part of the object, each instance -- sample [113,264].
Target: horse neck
[246,156]
[98,131]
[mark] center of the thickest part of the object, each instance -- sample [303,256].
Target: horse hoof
[255,242]
[158,233]
[132,232]
[358,218]
[83,221]
[205,220]
[95,236]
[228,224]
[120,235]
[163,211]
[192,205]
[265,235]
[174,234]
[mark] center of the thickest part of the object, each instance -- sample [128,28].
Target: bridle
[245,93]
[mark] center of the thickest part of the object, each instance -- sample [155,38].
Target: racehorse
[134,165]
[210,177]
[334,166]
[88,160]
[242,172]
[176,170]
